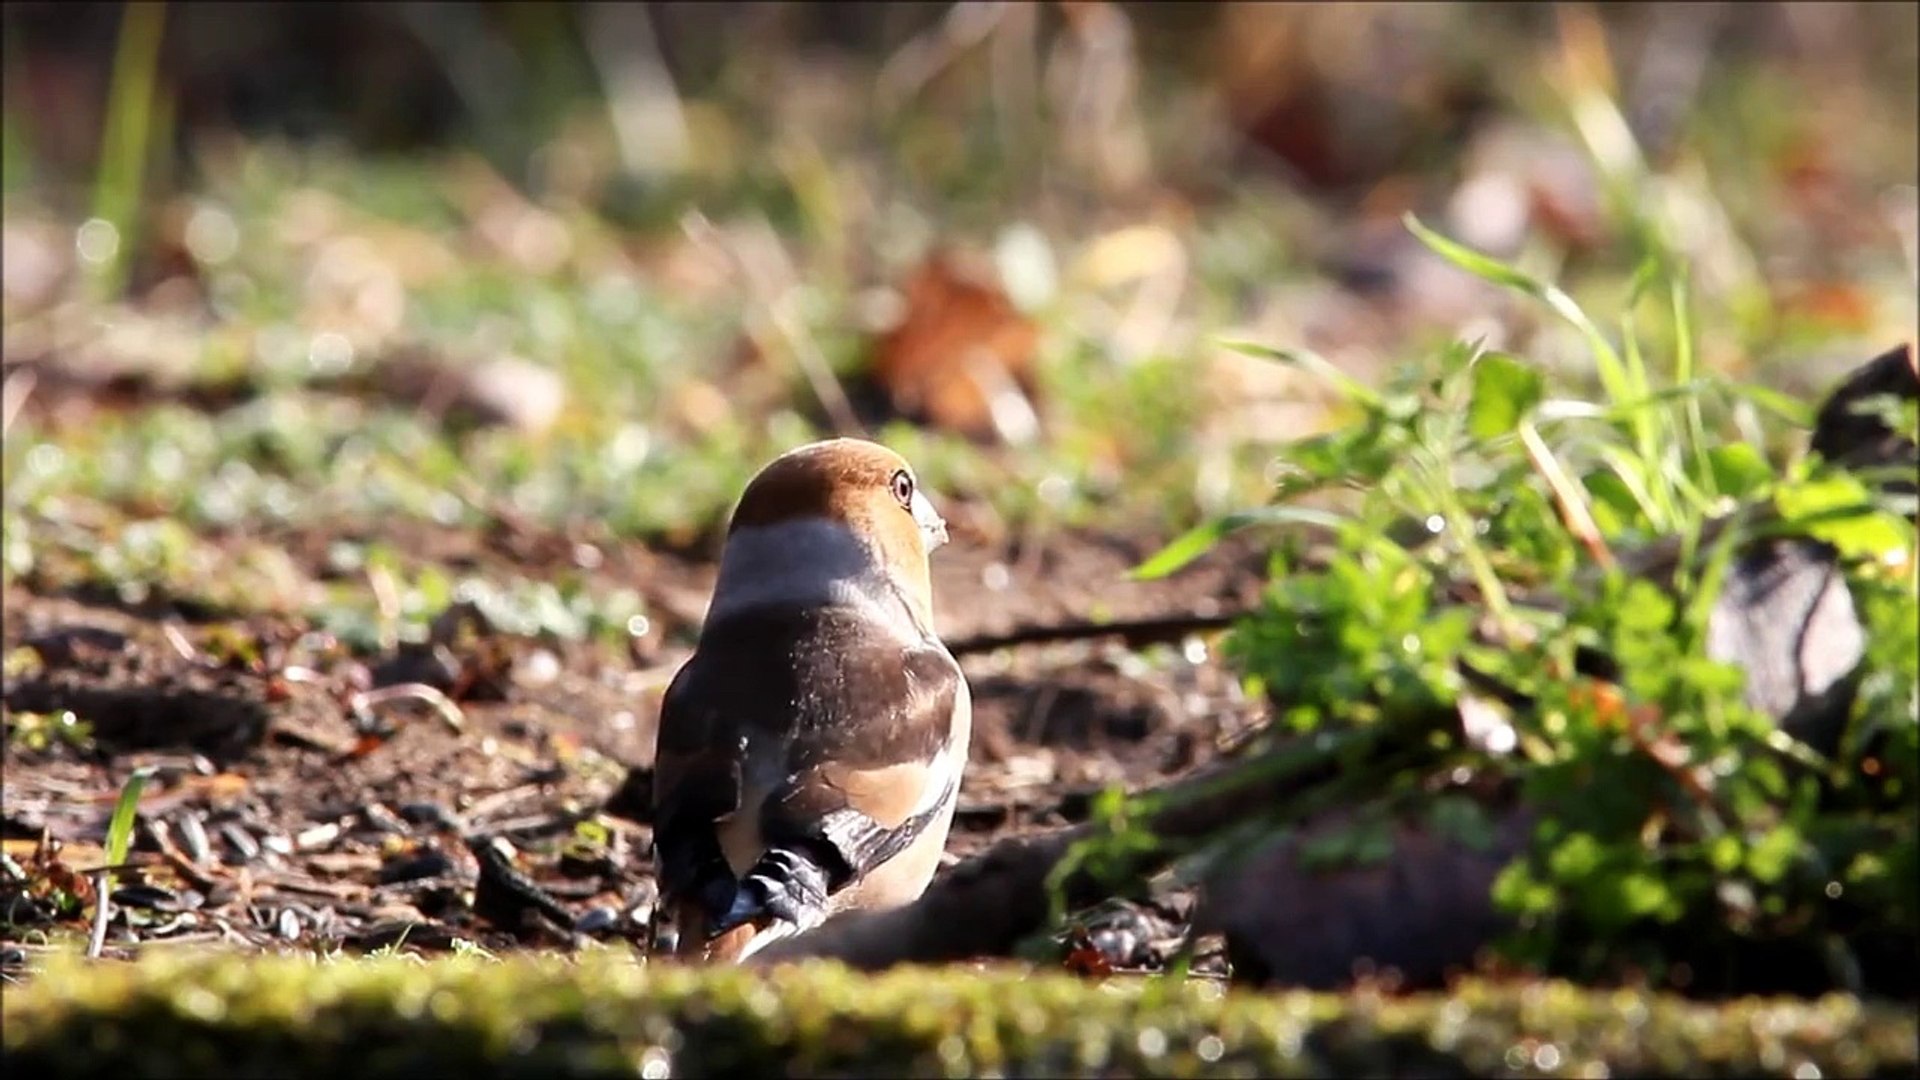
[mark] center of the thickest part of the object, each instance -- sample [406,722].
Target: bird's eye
[903,488]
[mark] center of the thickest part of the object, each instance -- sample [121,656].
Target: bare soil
[296,806]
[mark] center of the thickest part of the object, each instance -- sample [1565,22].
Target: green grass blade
[1563,409]
[1636,363]
[1630,470]
[1790,409]
[1681,486]
[120,827]
[119,183]
[1648,431]
[1683,364]
[1607,362]
[1198,540]
[1318,365]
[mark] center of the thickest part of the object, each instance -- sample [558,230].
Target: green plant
[601,1014]
[120,826]
[136,112]
[39,731]
[1685,836]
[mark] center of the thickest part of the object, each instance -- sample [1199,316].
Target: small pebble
[597,920]
[317,837]
[538,669]
[382,820]
[193,834]
[243,842]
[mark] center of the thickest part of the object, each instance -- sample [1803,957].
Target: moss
[603,1015]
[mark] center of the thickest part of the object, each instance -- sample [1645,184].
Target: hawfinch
[810,750]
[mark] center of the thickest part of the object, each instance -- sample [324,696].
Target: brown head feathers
[861,485]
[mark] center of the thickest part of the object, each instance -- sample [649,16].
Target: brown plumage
[810,750]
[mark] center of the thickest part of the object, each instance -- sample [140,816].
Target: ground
[348,836]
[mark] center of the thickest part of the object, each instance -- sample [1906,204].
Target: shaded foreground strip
[605,1015]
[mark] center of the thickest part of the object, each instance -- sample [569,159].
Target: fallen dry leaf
[961,357]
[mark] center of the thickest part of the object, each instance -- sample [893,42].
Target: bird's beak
[933,528]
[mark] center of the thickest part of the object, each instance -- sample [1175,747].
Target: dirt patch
[292,805]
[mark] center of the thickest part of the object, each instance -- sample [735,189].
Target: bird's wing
[810,745]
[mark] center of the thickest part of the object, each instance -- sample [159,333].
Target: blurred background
[361,356]
[267,261]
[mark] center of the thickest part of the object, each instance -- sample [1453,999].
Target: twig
[1573,504]
[643,105]
[532,824]
[499,800]
[1132,631]
[772,300]
[285,727]
[326,890]
[915,64]
[988,904]
[413,691]
[180,862]
[387,597]
[97,940]
[14,395]
[171,631]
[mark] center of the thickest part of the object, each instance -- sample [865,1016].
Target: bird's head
[803,505]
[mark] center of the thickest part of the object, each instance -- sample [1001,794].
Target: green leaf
[1739,470]
[1197,541]
[1474,263]
[1517,890]
[1642,894]
[1607,362]
[1577,857]
[120,827]
[1373,843]
[1355,455]
[1792,410]
[1353,388]
[1463,819]
[1809,497]
[1613,502]
[1505,390]
[1646,607]
[134,97]
[1768,859]
[1724,853]
[1838,509]
[1331,849]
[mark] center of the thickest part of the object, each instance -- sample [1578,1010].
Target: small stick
[806,355]
[413,691]
[179,641]
[13,397]
[97,940]
[1135,631]
[1573,504]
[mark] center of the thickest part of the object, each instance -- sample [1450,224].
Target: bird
[810,750]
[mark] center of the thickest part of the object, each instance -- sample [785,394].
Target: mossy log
[608,1015]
